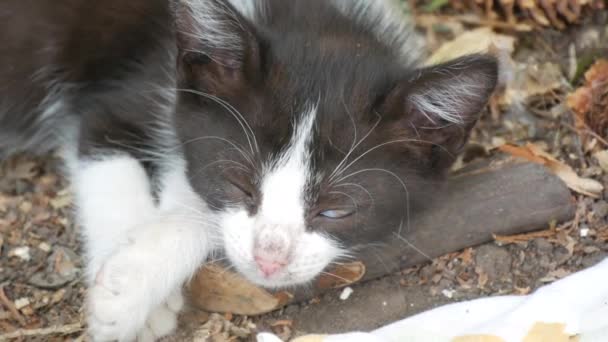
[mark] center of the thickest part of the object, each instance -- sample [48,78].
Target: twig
[61,330]
[11,307]
[586,131]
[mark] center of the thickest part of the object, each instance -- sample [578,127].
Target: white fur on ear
[448,100]
[212,23]
[453,92]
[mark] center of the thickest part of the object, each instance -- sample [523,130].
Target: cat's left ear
[217,45]
[439,105]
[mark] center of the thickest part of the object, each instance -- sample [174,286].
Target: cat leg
[129,294]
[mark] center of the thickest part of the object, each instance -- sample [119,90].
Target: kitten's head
[308,134]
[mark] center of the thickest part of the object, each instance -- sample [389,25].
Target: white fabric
[579,302]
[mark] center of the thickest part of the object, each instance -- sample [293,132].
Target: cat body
[277,134]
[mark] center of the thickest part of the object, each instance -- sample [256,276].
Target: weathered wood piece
[503,197]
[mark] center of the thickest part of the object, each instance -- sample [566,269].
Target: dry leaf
[602,159]
[481,40]
[216,289]
[531,79]
[533,153]
[589,103]
[483,278]
[466,256]
[511,14]
[342,275]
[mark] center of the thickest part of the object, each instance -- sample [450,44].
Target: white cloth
[574,306]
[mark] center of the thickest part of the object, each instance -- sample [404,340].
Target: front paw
[119,301]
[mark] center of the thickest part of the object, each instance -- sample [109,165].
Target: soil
[42,290]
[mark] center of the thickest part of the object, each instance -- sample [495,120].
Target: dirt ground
[41,286]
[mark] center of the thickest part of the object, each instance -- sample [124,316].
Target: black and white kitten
[281,133]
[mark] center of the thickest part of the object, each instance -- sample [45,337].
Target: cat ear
[439,105]
[214,36]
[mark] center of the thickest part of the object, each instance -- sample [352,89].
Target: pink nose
[268,267]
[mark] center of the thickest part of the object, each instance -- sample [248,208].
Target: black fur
[115,65]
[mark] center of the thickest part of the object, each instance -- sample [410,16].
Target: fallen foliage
[557,14]
[589,103]
[533,153]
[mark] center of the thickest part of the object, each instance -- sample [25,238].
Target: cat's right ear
[217,46]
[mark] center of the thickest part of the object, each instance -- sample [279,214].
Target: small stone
[543,246]
[494,261]
[590,249]
[45,247]
[22,253]
[21,303]
[600,209]
[346,293]
[448,293]
[60,270]
[584,232]
[602,159]
[593,259]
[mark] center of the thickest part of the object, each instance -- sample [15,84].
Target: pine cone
[545,13]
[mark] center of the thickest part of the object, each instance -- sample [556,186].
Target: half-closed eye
[336,213]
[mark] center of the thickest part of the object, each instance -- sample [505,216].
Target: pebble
[494,261]
[448,293]
[600,209]
[21,303]
[22,253]
[61,269]
[346,293]
[45,247]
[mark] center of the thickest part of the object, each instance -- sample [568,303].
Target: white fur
[278,230]
[139,253]
[449,99]
[214,24]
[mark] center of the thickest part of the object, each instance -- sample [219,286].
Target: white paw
[122,305]
[118,303]
[163,320]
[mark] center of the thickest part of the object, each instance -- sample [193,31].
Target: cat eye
[335,214]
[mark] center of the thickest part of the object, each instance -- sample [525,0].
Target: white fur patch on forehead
[285,179]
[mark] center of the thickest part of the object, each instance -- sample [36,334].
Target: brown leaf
[342,275]
[602,159]
[535,154]
[483,279]
[475,41]
[216,289]
[589,103]
[22,170]
[466,256]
